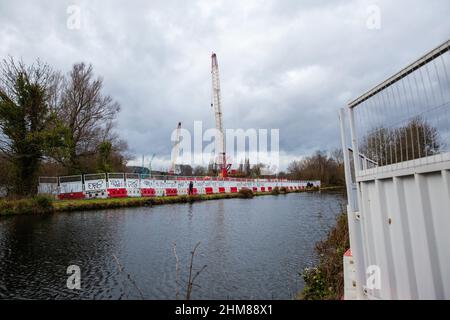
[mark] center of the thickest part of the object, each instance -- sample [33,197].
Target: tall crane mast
[217,104]
[175,149]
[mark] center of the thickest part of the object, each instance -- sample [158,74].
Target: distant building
[144,170]
[137,169]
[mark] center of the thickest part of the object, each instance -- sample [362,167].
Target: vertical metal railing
[406,117]
[402,123]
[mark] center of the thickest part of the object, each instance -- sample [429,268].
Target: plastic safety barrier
[194,191]
[99,194]
[134,192]
[71,196]
[117,193]
[148,192]
[170,192]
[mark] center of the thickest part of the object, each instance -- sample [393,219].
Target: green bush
[283,190]
[37,204]
[275,191]
[43,202]
[6,207]
[315,288]
[326,281]
[246,193]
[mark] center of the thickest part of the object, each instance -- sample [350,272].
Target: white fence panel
[398,182]
[70,184]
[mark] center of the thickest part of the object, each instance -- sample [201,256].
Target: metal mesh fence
[53,180]
[132,176]
[407,116]
[116,175]
[94,176]
[65,179]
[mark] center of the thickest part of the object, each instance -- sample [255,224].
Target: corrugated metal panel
[405,221]
[399,216]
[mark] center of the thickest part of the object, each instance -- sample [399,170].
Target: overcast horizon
[287,65]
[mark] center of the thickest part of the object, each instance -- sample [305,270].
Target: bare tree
[318,166]
[338,156]
[177,271]
[87,113]
[200,171]
[414,140]
[132,281]
[192,274]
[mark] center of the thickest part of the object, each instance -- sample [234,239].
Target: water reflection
[253,248]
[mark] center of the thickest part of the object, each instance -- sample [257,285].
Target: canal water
[252,249]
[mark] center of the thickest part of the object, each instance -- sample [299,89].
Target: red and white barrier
[70,188]
[117,193]
[148,192]
[133,185]
[119,185]
[71,196]
[171,192]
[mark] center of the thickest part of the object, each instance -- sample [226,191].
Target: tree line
[323,166]
[416,139]
[53,123]
[244,170]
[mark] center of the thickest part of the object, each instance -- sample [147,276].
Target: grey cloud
[284,64]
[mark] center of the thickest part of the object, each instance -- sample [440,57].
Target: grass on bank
[326,280]
[37,204]
[44,204]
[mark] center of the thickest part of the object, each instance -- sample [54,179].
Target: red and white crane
[217,104]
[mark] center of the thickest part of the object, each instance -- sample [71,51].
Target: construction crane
[175,150]
[217,104]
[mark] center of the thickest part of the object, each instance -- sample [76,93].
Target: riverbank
[325,281]
[333,188]
[43,205]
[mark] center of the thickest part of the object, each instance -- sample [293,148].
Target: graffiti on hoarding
[95,185]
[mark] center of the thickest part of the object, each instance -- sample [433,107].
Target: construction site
[314,164]
[122,185]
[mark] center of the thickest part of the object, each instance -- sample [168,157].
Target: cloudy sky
[284,64]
